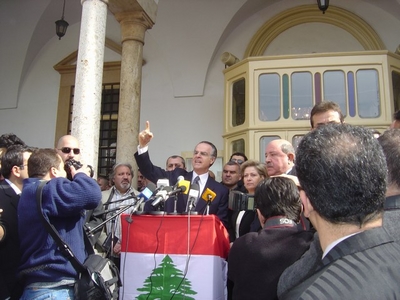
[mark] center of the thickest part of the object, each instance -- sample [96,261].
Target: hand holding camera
[73,167]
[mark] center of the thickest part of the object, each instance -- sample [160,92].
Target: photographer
[44,269]
[70,152]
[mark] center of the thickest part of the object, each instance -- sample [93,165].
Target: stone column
[88,80]
[133,28]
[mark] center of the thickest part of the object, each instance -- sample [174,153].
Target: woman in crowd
[244,221]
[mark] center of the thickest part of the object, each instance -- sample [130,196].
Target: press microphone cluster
[164,192]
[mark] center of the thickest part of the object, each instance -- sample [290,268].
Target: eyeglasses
[238,161]
[67,150]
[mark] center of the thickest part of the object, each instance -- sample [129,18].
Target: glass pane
[368,94]
[238,102]
[335,89]
[302,97]
[396,90]
[108,128]
[269,97]
[264,140]
[238,146]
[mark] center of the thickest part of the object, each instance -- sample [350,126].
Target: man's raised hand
[145,135]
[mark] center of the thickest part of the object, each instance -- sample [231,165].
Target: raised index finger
[147,126]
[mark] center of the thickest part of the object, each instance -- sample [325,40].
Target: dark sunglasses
[67,150]
[238,161]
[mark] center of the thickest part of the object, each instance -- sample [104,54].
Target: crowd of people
[320,221]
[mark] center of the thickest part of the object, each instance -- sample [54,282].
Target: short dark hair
[325,106]
[177,156]
[41,161]
[233,163]
[390,142]
[14,156]
[214,152]
[9,139]
[239,154]
[278,196]
[342,170]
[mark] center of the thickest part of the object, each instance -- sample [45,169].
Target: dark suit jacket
[257,259]
[219,206]
[9,246]
[306,266]
[363,266]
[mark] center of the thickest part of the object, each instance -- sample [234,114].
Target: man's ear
[16,171]
[291,157]
[307,206]
[260,217]
[53,172]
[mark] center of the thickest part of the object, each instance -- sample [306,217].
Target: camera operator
[70,152]
[45,270]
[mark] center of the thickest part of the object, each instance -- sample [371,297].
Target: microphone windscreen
[208,195]
[162,182]
[185,184]
[180,178]
[194,191]
[148,191]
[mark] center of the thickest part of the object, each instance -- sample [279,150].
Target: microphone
[147,192]
[193,196]
[161,183]
[208,195]
[160,196]
[182,186]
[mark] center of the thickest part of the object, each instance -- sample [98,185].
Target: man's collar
[13,186]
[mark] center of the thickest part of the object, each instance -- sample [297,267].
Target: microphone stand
[120,200]
[91,231]
[175,212]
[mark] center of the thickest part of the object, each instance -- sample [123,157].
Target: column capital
[134,25]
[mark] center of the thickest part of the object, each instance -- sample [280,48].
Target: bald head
[68,142]
[279,157]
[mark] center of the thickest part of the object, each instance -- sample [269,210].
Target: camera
[68,164]
[77,165]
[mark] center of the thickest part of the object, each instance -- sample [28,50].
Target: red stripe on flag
[169,234]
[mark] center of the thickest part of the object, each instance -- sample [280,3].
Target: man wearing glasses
[204,155]
[15,170]
[238,157]
[68,148]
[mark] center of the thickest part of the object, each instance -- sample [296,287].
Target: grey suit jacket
[363,266]
[305,266]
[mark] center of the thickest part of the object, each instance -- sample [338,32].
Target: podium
[173,257]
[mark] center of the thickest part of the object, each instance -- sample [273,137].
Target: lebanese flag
[173,257]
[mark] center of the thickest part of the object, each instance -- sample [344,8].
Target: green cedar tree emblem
[166,281]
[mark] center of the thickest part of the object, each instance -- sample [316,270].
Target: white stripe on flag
[206,276]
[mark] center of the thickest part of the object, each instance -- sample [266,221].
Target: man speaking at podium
[204,156]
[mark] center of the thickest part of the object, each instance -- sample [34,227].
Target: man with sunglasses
[68,148]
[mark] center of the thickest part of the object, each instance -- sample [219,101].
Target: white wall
[178,123]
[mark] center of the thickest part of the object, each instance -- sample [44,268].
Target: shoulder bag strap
[65,249]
